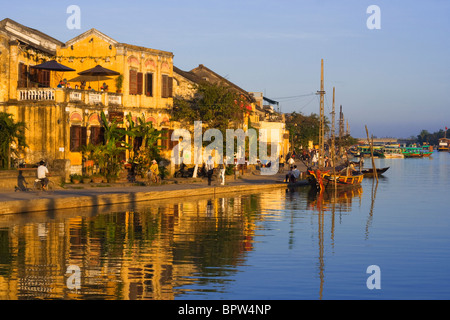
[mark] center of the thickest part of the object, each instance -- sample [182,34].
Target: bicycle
[39,185]
[153,178]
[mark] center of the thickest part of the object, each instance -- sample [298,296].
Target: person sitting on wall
[292,174]
[289,174]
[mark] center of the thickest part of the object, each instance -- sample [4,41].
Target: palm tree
[10,133]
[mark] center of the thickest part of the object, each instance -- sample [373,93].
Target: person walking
[210,169]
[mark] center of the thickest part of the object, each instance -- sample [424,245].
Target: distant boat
[443,144]
[427,150]
[364,151]
[369,171]
[393,152]
[412,152]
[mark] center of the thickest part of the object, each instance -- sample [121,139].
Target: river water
[279,244]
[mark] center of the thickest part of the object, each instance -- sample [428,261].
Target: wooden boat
[324,179]
[393,152]
[364,151]
[369,171]
[412,152]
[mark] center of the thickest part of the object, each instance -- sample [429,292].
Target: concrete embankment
[31,201]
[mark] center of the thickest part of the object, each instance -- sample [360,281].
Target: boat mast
[333,147]
[333,132]
[322,122]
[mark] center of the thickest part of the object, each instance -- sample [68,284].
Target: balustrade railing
[69,95]
[37,94]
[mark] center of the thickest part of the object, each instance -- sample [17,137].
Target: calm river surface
[279,244]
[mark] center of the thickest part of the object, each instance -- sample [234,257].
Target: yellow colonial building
[62,109]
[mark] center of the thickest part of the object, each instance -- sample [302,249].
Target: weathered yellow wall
[45,133]
[86,54]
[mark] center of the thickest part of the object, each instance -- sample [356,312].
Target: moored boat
[324,179]
[364,151]
[370,173]
[427,150]
[393,152]
[444,144]
[412,152]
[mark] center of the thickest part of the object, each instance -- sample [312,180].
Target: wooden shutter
[83,137]
[22,81]
[164,87]
[44,78]
[133,82]
[170,87]
[140,80]
[149,84]
[74,137]
[97,135]
[78,137]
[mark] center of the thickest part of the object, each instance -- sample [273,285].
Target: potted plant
[111,178]
[119,83]
[75,178]
[85,178]
[97,178]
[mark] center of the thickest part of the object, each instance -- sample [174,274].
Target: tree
[11,133]
[144,143]
[303,129]
[216,105]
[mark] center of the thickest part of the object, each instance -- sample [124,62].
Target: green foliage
[144,132]
[215,105]
[432,138]
[303,129]
[107,155]
[11,133]
[119,82]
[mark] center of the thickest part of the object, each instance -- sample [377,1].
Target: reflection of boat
[369,171]
[323,179]
[329,199]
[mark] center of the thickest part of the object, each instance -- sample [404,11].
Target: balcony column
[13,69]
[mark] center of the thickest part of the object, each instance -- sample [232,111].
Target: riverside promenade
[88,195]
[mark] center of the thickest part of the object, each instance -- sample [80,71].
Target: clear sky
[395,80]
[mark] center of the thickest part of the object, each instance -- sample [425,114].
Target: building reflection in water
[139,251]
[158,250]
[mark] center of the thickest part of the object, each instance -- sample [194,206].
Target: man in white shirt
[42,172]
[291,161]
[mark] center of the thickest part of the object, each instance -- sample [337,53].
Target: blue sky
[395,80]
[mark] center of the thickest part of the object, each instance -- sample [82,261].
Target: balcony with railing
[70,95]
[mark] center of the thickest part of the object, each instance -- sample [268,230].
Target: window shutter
[22,83]
[46,78]
[74,138]
[165,86]
[140,80]
[78,136]
[83,137]
[133,82]
[149,84]
[170,87]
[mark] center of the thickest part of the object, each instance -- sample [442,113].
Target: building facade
[62,109]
